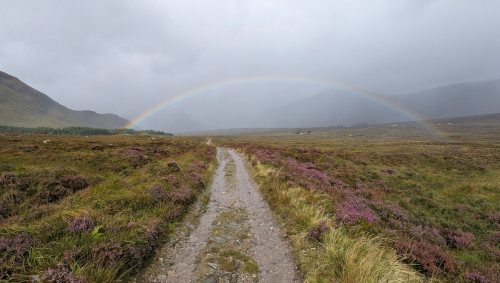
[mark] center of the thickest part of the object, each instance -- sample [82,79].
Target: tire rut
[234,197]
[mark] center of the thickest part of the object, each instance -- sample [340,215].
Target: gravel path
[271,254]
[192,255]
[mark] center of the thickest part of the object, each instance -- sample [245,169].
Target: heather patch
[316,232]
[182,195]
[158,193]
[174,212]
[99,205]
[456,238]
[194,178]
[200,164]
[84,224]
[171,179]
[412,196]
[135,156]
[13,252]
[355,209]
[173,166]
[74,183]
[51,194]
[108,254]
[485,275]
[7,178]
[61,274]
[428,258]
[268,156]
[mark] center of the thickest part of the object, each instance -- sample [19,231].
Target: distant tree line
[78,131]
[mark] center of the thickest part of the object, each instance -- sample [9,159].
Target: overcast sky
[126,56]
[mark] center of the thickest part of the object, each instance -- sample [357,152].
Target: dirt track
[235,240]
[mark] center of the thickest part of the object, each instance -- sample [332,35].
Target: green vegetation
[340,255]
[386,204]
[367,207]
[23,106]
[92,209]
[78,131]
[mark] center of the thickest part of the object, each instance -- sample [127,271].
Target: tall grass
[125,220]
[340,256]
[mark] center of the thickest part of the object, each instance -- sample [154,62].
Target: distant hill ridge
[336,107]
[459,99]
[24,106]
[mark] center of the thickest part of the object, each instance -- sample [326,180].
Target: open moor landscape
[377,206]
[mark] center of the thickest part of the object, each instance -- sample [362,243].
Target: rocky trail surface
[229,236]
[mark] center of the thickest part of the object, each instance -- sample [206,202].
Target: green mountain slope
[24,106]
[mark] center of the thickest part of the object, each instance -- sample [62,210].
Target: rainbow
[376,97]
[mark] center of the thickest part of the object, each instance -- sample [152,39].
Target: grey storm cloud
[126,56]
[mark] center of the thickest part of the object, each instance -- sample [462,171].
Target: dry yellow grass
[340,257]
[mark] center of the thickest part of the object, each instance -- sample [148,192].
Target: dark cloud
[125,56]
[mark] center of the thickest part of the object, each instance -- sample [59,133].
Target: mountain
[24,106]
[461,99]
[329,108]
[337,107]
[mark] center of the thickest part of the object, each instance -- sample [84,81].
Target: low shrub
[174,213]
[52,194]
[182,195]
[355,209]
[194,178]
[428,258]
[475,277]
[84,224]
[158,193]
[171,179]
[13,252]
[456,238]
[173,166]
[108,254]
[4,211]
[61,274]
[74,182]
[7,178]
[200,164]
[316,232]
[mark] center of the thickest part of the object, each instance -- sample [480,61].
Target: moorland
[92,208]
[358,201]
[392,202]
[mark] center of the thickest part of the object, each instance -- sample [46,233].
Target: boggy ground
[236,239]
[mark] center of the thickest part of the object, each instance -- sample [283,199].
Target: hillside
[329,108]
[24,106]
[461,99]
[337,107]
